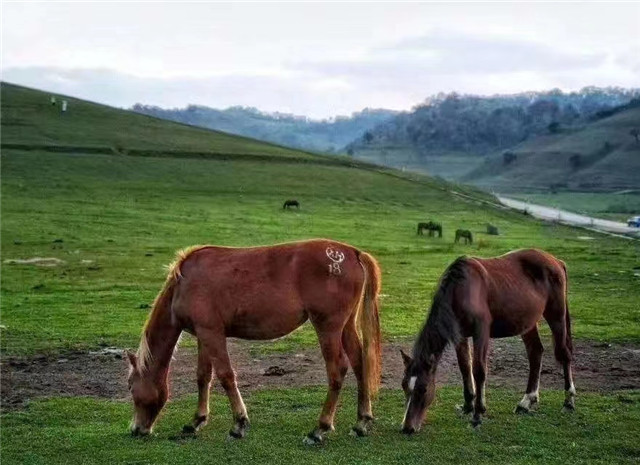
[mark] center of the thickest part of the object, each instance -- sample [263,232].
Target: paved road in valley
[574,219]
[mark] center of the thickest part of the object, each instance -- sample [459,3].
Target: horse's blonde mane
[144,355]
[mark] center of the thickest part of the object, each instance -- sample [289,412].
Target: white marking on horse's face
[412,383]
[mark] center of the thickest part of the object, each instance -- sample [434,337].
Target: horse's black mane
[441,326]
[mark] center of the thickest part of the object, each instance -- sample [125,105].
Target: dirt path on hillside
[598,367]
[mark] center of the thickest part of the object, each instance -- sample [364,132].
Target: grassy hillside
[114,221]
[29,120]
[600,156]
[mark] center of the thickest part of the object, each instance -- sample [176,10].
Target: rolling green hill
[602,156]
[30,121]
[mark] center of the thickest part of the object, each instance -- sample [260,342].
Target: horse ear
[405,358]
[133,360]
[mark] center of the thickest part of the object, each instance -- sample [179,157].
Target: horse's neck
[433,343]
[162,336]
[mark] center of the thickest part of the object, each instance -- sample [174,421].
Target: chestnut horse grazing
[490,298]
[262,293]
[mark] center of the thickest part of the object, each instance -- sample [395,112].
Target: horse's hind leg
[562,352]
[205,372]
[215,345]
[353,348]
[534,348]
[463,351]
[337,366]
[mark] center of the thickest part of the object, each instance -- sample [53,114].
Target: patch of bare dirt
[598,367]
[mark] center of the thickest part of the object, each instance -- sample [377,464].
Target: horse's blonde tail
[369,323]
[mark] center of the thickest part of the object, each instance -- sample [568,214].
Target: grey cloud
[443,53]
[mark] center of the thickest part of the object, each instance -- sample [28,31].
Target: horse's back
[249,287]
[517,288]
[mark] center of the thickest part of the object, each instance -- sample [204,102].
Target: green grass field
[116,220]
[88,431]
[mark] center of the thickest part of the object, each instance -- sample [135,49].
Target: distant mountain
[326,135]
[603,155]
[450,133]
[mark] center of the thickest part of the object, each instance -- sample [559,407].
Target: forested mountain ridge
[328,135]
[479,125]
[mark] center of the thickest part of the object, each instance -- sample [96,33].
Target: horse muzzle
[408,430]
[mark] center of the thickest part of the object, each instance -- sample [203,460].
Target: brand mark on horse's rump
[336,258]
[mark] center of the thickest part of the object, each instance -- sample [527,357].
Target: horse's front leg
[215,344]
[205,372]
[480,361]
[463,352]
[337,366]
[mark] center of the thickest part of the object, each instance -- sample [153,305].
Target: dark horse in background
[431,227]
[261,293]
[464,234]
[291,203]
[483,299]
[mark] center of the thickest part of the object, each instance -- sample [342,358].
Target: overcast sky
[315,59]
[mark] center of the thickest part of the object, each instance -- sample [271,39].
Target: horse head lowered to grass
[483,299]
[261,293]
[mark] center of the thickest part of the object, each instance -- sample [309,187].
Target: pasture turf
[603,430]
[116,221]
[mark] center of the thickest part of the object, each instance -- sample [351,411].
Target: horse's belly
[502,328]
[514,323]
[265,325]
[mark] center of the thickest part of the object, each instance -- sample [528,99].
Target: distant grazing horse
[430,226]
[490,298]
[261,293]
[464,234]
[291,203]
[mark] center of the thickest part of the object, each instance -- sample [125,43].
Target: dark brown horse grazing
[490,298]
[464,234]
[261,293]
[291,203]
[431,226]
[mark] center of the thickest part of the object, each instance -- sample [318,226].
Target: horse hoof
[521,410]
[463,410]
[569,407]
[358,432]
[476,422]
[236,434]
[188,429]
[312,440]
